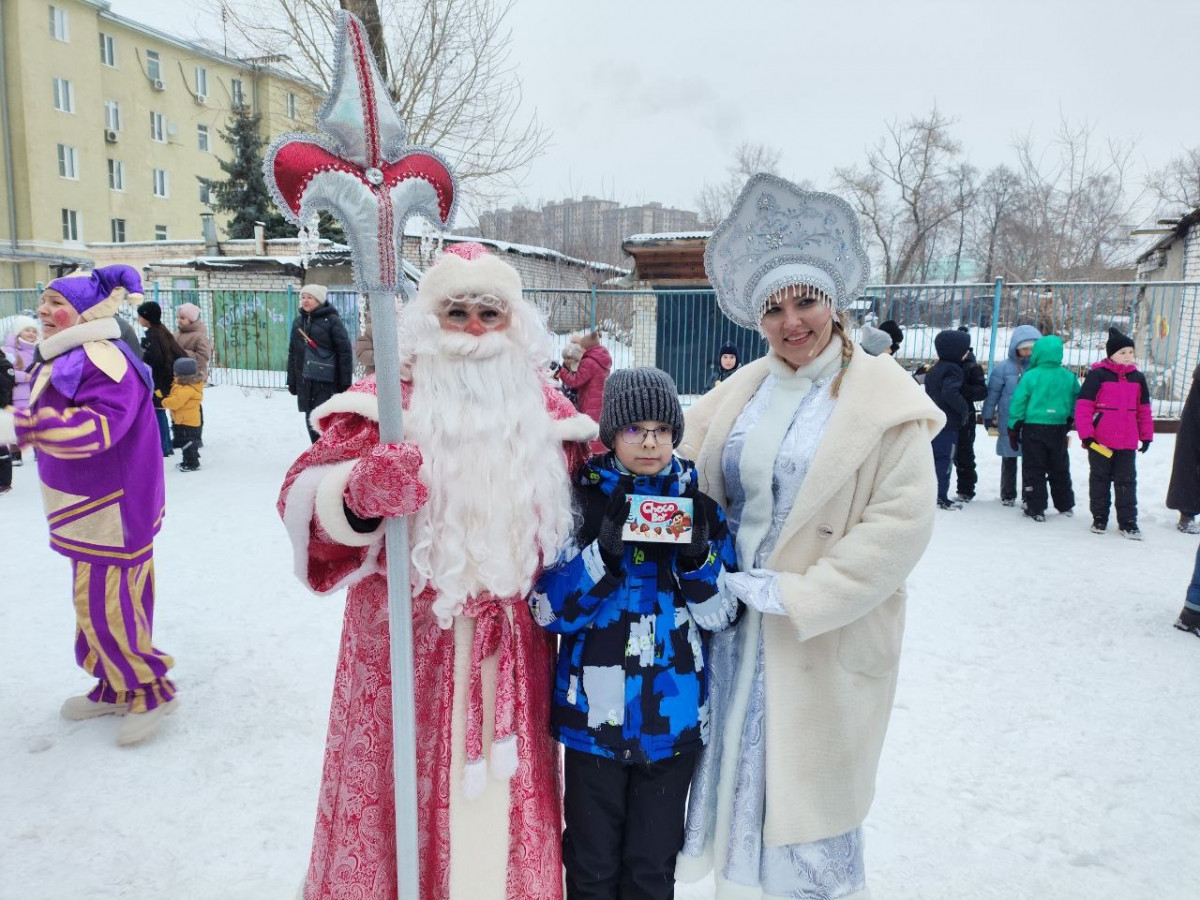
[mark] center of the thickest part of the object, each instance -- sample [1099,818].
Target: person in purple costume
[91,419]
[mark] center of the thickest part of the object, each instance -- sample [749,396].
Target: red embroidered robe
[492,671]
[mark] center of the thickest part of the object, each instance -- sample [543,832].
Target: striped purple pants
[114,616]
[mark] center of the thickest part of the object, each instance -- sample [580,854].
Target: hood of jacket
[952,346]
[1047,352]
[599,354]
[1020,335]
[602,472]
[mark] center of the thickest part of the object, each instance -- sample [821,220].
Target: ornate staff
[360,170]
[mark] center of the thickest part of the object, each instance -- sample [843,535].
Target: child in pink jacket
[1113,418]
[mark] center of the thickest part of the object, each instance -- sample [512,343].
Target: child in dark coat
[944,384]
[1183,493]
[631,694]
[974,389]
[1114,420]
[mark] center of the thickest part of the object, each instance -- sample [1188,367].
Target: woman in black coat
[1183,494]
[320,353]
[159,352]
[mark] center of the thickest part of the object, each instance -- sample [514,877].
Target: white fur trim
[8,427]
[474,779]
[576,428]
[59,343]
[330,511]
[453,276]
[358,402]
[504,758]
[297,516]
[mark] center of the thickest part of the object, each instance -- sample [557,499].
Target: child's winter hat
[151,312]
[731,350]
[189,311]
[874,340]
[644,394]
[17,324]
[952,345]
[185,366]
[894,331]
[1117,341]
[98,294]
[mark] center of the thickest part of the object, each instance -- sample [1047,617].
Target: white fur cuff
[332,514]
[8,427]
[576,428]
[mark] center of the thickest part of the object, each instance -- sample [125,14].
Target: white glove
[758,589]
[8,427]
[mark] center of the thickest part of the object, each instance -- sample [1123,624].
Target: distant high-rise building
[588,228]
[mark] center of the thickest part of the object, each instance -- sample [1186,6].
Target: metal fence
[683,331]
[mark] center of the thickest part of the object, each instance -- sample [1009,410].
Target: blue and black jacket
[631,679]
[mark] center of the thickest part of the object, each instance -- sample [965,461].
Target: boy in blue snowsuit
[631,694]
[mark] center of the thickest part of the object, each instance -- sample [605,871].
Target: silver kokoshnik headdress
[777,236]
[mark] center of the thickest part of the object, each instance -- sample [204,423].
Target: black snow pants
[1044,458]
[1121,471]
[624,826]
[964,459]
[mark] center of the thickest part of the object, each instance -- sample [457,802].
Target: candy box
[663,520]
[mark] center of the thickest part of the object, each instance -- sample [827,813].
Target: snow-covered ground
[1043,746]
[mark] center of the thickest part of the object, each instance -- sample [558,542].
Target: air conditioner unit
[111,136]
[158,84]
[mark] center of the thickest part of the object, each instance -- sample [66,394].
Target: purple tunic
[99,454]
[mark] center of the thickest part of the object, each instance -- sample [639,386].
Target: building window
[118,231]
[160,183]
[157,131]
[153,66]
[202,137]
[112,115]
[67,167]
[108,50]
[291,105]
[237,92]
[116,175]
[58,24]
[201,82]
[70,224]
[64,96]
[160,232]
[205,193]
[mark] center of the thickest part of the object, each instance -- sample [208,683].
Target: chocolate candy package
[662,520]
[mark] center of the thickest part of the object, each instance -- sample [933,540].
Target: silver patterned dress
[729,825]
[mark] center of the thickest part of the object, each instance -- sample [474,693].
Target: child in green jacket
[1041,415]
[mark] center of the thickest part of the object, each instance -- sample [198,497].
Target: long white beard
[499,495]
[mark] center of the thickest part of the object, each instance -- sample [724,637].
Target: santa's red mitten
[385,483]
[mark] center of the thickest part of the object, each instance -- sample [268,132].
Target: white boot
[139,727]
[79,708]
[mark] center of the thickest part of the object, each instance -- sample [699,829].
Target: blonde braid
[841,328]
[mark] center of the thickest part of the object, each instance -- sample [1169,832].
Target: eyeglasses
[635,434]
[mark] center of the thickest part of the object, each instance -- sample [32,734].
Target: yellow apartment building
[106,124]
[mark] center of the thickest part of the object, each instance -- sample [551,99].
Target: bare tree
[1176,186]
[995,203]
[914,182]
[715,200]
[446,64]
[1073,204]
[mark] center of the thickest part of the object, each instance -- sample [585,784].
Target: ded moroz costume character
[820,457]
[91,420]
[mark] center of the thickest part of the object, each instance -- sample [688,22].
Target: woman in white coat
[820,454]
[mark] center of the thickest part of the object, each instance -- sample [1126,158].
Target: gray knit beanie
[873,340]
[185,367]
[645,394]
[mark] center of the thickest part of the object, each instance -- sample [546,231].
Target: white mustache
[468,346]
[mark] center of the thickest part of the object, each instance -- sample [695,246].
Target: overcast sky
[647,99]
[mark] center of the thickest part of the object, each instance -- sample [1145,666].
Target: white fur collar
[78,335]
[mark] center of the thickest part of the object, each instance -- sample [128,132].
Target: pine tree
[244,193]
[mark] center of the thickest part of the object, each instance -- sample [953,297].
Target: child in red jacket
[1114,420]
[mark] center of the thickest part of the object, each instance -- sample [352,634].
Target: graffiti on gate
[252,329]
